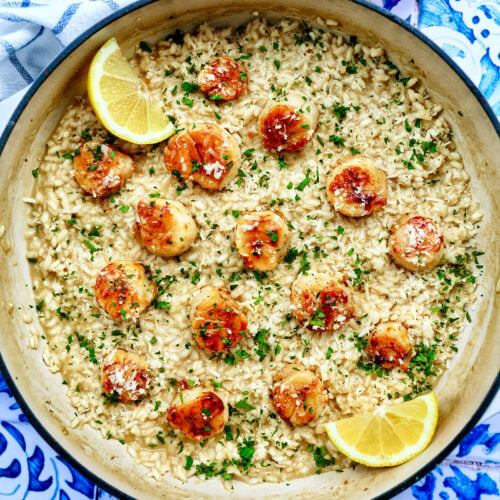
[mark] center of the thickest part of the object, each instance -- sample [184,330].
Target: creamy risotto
[392,324]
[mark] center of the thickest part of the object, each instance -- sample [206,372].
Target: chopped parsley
[243,404]
[305,181]
[189,87]
[263,347]
[291,255]
[319,456]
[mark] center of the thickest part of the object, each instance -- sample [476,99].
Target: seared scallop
[124,374]
[123,289]
[321,302]
[206,154]
[288,126]
[416,243]
[100,169]
[223,79]
[198,413]
[218,323]
[389,345]
[165,227]
[356,187]
[298,394]
[262,239]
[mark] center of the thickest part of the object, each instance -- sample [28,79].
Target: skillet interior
[460,391]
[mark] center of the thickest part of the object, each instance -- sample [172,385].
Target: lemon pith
[121,101]
[390,435]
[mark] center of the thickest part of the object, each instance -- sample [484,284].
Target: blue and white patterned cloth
[32,33]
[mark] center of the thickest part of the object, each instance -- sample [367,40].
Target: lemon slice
[122,102]
[390,435]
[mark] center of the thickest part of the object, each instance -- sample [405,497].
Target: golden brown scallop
[287,126]
[218,323]
[206,154]
[416,243]
[123,289]
[100,169]
[321,302]
[124,374]
[389,344]
[262,239]
[198,413]
[356,187]
[298,395]
[223,79]
[165,227]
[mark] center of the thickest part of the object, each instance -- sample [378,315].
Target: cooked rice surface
[367,106]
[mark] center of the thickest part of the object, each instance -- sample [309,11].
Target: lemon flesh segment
[390,435]
[121,101]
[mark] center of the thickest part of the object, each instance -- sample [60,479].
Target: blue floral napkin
[32,33]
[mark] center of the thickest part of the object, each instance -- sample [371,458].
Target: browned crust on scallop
[198,414]
[123,289]
[298,394]
[218,322]
[389,345]
[206,154]
[416,243]
[356,187]
[124,374]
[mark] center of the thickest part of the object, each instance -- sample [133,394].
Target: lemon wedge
[390,435]
[121,100]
